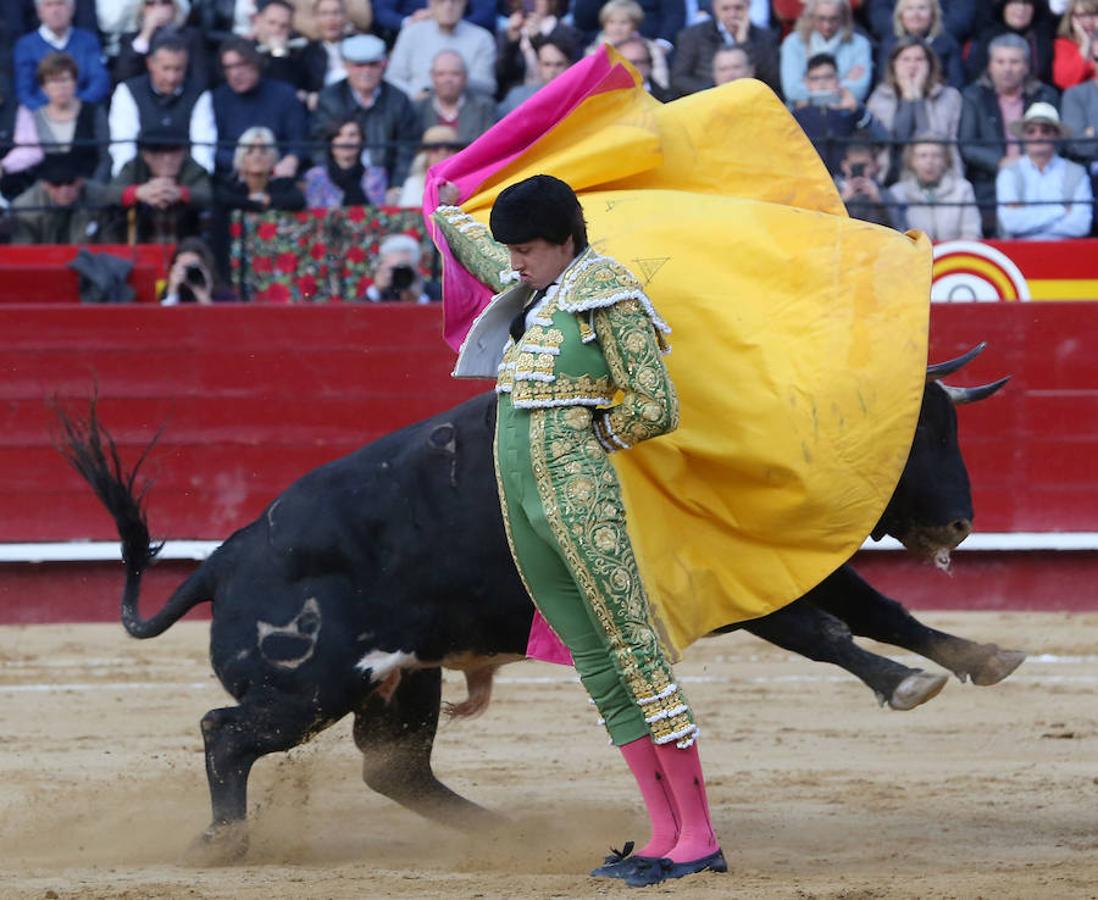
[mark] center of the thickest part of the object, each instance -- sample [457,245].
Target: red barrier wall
[251,397]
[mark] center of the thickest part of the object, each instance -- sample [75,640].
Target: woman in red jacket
[1072,61]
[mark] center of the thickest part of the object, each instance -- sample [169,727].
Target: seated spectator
[193,277]
[254,185]
[516,58]
[1072,61]
[864,195]
[451,103]
[157,20]
[992,105]
[1080,112]
[1032,21]
[439,142]
[912,98]
[343,180]
[830,116]
[961,18]
[57,34]
[329,21]
[554,57]
[621,21]
[1059,188]
[165,194]
[163,96]
[692,68]
[286,56]
[635,50]
[922,19]
[396,274]
[328,26]
[64,126]
[663,19]
[390,16]
[732,64]
[385,113]
[61,207]
[826,26]
[931,196]
[419,42]
[247,99]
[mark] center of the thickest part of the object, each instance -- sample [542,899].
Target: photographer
[830,115]
[191,278]
[858,185]
[396,275]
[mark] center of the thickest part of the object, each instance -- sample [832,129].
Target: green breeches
[565,522]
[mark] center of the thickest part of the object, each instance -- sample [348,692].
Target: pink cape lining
[463,296]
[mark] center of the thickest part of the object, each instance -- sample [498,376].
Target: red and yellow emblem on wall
[1009,271]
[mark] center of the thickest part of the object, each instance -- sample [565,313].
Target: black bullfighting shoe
[658,870]
[619,864]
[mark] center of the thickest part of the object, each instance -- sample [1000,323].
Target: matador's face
[539,262]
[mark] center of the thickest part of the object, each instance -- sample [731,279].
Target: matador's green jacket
[588,376]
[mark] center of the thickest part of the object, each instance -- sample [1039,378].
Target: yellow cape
[798,343]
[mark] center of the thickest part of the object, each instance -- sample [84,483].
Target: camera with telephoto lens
[194,275]
[857,170]
[403,277]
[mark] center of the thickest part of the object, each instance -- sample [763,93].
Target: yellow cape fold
[798,343]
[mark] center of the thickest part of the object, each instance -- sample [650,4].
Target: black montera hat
[58,168]
[538,207]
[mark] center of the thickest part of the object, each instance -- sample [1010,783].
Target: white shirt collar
[58,42]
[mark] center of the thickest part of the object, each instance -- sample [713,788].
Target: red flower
[355,254]
[318,251]
[287,262]
[322,272]
[234,229]
[301,217]
[261,264]
[360,287]
[277,293]
[267,231]
[319,213]
[356,213]
[308,287]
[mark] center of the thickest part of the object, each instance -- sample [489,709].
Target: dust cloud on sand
[816,791]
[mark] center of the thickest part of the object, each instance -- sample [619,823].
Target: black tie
[518,323]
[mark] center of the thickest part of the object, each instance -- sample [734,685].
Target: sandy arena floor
[984,792]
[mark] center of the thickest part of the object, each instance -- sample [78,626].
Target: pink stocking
[662,816]
[683,774]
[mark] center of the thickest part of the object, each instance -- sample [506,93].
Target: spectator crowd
[155,120]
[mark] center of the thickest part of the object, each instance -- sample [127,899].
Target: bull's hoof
[916,689]
[218,845]
[997,666]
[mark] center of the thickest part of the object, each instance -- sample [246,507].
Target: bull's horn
[940,370]
[961,395]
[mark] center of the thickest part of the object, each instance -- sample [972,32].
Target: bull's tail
[91,450]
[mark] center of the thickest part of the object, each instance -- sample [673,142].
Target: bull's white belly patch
[380,663]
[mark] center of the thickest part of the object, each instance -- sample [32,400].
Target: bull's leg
[869,613]
[803,629]
[396,736]
[235,737]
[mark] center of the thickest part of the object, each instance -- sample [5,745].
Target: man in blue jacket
[57,34]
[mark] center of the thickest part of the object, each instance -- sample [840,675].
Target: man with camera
[396,274]
[831,114]
[862,193]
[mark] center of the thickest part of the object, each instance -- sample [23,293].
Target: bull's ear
[940,370]
[959,396]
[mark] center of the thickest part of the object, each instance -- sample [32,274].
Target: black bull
[370,573]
